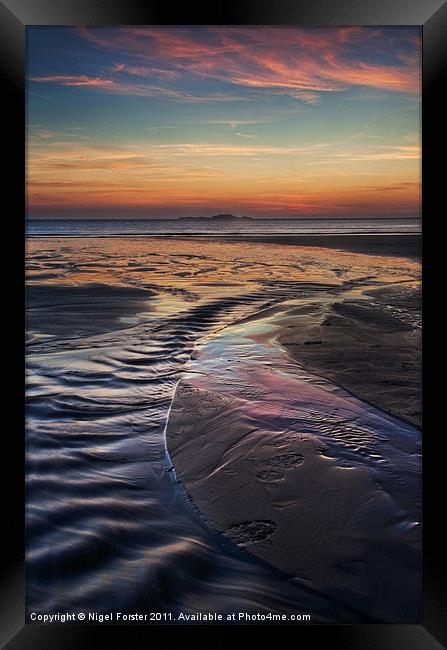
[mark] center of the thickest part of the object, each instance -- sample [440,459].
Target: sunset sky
[259,121]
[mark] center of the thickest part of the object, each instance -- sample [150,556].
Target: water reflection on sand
[111,325]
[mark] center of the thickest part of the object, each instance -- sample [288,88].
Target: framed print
[228,224]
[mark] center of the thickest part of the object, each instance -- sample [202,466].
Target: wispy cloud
[143,174]
[304,64]
[124,88]
[75,80]
[234,116]
[234,123]
[49,134]
[378,153]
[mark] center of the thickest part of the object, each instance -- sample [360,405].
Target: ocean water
[113,326]
[158,227]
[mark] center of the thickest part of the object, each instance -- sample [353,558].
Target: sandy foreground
[286,464]
[369,345]
[335,524]
[346,526]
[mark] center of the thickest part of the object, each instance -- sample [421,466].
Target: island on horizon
[224,217]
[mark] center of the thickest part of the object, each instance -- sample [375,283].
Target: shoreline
[387,244]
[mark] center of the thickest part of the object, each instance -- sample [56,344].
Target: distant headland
[220,217]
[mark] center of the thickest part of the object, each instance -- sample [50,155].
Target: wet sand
[300,473]
[370,345]
[131,339]
[397,245]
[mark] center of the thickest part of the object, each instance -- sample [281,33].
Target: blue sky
[273,121]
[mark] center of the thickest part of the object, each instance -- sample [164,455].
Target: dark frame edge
[434,65]
[12,66]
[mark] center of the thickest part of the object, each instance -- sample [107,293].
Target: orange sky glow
[147,122]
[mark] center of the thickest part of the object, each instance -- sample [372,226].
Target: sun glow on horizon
[262,121]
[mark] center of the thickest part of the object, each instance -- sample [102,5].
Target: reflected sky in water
[110,327]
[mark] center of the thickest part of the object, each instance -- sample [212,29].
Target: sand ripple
[111,325]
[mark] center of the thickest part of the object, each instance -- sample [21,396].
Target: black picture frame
[15,16]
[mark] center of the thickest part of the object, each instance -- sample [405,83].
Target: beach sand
[283,463]
[393,245]
[370,345]
[271,481]
[305,478]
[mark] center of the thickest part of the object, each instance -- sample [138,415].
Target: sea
[222,227]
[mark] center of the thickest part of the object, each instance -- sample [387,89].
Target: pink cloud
[145,71]
[75,80]
[301,63]
[284,59]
